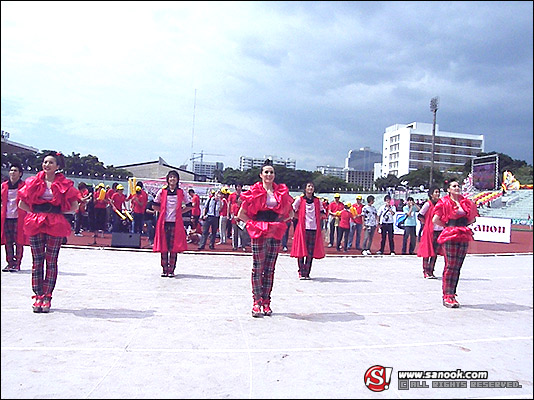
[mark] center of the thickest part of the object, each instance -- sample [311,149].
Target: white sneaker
[379,252]
[392,253]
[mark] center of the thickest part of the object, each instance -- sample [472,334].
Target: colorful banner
[509,182]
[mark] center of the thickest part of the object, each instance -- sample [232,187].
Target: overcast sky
[302,80]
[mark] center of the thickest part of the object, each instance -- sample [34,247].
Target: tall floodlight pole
[193,129]
[434,104]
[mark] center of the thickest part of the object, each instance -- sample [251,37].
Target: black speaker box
[122,239]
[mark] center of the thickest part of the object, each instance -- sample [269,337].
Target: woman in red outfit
[170,238]
[307,241]
[265,209]
[46,197]
[429,248]
[454,212]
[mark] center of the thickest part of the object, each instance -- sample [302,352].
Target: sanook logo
[458,374]
[378,378]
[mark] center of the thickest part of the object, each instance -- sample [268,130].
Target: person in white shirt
[386,217]
[369,222]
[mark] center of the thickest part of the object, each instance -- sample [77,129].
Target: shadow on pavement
[106,313]
[507,307]
[324,317]
[338,280]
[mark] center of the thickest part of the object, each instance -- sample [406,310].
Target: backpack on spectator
[400,222]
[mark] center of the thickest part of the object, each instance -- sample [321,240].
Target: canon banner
[488,229]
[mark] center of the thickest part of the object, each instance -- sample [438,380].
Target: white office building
[246,163]
[408,147]
[338,172]
[207,168]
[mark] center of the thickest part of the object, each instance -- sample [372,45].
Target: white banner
[487,229]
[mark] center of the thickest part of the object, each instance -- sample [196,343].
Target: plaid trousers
[306,262]
[430,262]
[168,259]
[44,248]
[264,254]
[14,250]
[454,258]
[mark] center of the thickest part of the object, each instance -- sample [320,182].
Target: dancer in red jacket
[429,248]
[170,238]
[13,236]
[307,241]
[454,212]
[265,209]
[46,197]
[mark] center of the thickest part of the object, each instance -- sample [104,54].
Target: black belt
[267,216]
[46,208]
[458,222]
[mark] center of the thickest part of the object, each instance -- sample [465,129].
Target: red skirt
[49,223]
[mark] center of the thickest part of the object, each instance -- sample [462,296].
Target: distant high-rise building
[362,159]
[409,147]
[246,163]
[363,179]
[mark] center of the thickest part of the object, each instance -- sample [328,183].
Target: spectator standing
[100,205]
[345,218]
[170,237]
[334,209]
[324,218]
[110,213]
[356,223]
[150,219]
[454,212]
[223,216]
[82,216]
[237,232]
[195,210]
[117,204]
[370,219]
[285,238]
[386,215]
[138,200]
[409,226]
[90,205]
[234,197]
[308,241]
[13,237]
[46,197]
[429,248]
[265,209]
[210,216]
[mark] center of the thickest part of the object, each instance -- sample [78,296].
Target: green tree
[421,176]
[524,175]
[388,181]
[74,164]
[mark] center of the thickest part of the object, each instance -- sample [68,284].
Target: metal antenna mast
[193,129]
